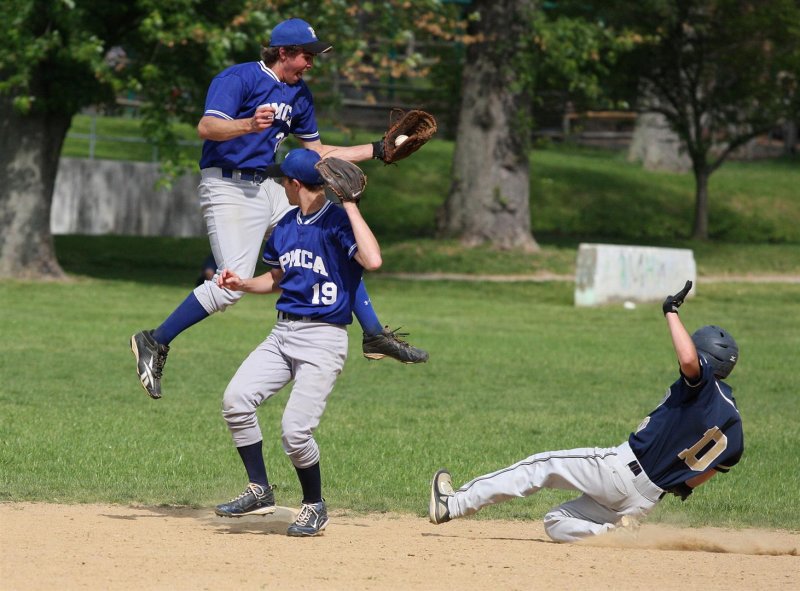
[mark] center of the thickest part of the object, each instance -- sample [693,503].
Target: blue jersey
[696,427]
[320,275]
[235,93]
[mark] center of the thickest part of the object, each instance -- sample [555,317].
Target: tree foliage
[516,52]
[59,56]
[575,53]
[69,54]
[720,71]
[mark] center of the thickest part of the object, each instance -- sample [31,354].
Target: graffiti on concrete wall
[608,273]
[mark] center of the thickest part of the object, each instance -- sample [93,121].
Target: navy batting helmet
[717,346]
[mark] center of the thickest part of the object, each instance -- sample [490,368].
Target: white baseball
[400,139]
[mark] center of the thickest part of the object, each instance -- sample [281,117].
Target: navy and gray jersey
[320,275]
[235,93]
[696,427]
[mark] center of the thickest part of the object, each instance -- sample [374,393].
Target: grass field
[515,368]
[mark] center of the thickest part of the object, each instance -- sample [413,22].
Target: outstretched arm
[350,153]
[684,347]
[681,340]
[408,131]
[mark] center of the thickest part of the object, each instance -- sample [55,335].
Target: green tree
[514,50]
[489,196]
[59,56]
[721,72]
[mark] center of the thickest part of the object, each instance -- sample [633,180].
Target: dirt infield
[46,546]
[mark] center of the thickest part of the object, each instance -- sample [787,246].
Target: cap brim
[274,171]
[317,47]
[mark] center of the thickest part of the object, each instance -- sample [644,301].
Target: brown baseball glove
[344,178]
[408,132]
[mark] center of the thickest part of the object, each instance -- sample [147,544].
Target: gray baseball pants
[609,486]
[310,353]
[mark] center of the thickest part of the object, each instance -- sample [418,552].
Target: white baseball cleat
[441,489]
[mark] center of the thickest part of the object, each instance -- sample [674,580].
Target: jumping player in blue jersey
[250,110]
[694,433]
[317,254]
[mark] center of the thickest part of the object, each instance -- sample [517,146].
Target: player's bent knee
[554,526]
[565,528]
[215,299]
[237,409]
[301,449]
[238,420]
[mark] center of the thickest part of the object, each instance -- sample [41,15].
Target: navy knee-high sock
[187,314]
[365,313]
[311,483]
[253,460]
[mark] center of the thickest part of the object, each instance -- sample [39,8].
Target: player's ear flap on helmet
[718,348]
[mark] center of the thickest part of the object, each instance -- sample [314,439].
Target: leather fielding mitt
[418,126]
[344,178]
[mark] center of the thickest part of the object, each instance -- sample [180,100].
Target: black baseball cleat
[150,359]
[441,489]
[312,519]
[388,344]
[255,500]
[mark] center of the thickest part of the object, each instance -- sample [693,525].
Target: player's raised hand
[673,302]
[230,280]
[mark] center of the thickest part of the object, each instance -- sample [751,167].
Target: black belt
[289,316]
[246,174]
[635,467]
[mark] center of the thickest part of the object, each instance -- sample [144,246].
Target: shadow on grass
[163,261]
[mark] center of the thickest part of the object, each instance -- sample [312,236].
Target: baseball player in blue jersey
[693,434]
[250,110]
[317,254]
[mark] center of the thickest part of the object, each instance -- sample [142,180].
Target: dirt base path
[46,546]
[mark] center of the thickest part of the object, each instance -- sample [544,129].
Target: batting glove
[673,302]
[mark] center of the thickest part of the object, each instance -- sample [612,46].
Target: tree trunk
[789,138]
[30,147]
[489,199]
[700,230]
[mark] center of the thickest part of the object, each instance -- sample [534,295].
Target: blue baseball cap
[298,164]
[296,31]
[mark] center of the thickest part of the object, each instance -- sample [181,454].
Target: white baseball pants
[609,486]
[238,215]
